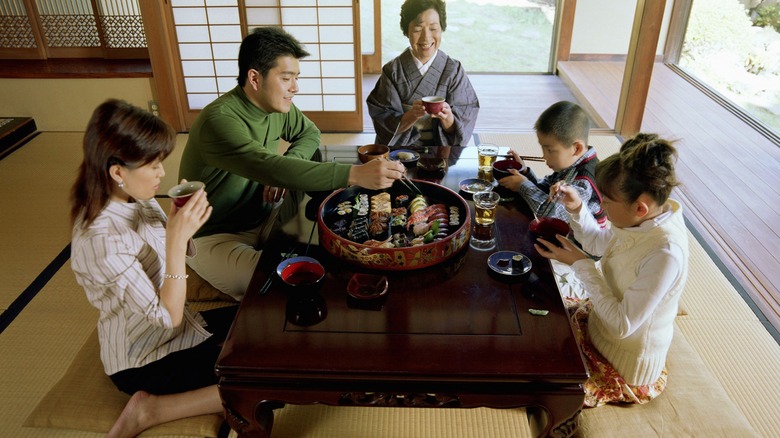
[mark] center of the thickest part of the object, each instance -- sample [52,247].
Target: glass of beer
[487,155]
[483,236]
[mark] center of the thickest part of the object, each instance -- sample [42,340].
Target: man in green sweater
[233,148]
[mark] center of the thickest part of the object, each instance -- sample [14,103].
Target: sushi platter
[394,229]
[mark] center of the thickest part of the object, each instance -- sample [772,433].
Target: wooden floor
[730,172]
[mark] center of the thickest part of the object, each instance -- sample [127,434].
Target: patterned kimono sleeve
[465,107]
[385,108]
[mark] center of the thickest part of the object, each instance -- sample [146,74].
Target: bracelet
[176,277]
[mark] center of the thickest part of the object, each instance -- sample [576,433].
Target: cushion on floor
[199,289]
[693,404]
[85,399]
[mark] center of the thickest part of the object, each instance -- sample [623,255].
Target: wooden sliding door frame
[167,78]
[372,63]
[169,88]
[640,59]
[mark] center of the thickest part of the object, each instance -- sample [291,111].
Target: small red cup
[433,104]
[182,193]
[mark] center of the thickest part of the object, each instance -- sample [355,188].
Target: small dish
[406,156]
[474,185]
[509,263]
[367,291]
[433,165]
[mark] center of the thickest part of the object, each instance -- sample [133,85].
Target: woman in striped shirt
[130,259]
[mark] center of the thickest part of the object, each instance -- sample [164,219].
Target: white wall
[603,27]
[67,104]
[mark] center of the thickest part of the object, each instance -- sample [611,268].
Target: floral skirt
[605,384]
[568,283]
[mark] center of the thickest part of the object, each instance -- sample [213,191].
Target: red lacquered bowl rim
[549,224]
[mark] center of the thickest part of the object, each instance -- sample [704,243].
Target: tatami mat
[38,346]
[737,349]
[352,422]
[35,184]
[708,294]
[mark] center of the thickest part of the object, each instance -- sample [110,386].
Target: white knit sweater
[636,291]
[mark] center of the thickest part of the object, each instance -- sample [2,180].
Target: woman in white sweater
[626,325]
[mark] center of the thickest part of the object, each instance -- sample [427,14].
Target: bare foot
[133,418]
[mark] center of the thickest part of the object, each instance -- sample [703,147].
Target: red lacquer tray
[395,259]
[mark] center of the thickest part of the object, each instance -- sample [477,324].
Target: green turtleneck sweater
[233,148]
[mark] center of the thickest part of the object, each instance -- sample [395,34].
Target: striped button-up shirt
[120,260]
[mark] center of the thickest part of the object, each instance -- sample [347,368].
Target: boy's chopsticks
[526,158]
[267,285]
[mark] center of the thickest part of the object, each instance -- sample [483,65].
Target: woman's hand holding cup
[184,221]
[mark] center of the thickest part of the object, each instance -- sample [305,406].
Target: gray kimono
[401,84]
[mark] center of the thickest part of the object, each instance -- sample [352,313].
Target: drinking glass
[487,154]
[483,236]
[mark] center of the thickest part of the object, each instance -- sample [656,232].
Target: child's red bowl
[547,228]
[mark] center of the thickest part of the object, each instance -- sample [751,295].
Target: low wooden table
[449,336]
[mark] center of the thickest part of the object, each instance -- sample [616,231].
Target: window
[518,36]
[735,51]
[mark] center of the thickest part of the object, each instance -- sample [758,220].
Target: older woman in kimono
[396,105]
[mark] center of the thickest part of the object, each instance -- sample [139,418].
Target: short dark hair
[645,164]
[565,120]
[117,133]
[262,47]
[412,8]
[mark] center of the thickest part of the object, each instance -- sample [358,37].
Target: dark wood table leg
[562,416]
[248,418]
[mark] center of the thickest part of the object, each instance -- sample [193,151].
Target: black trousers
[184,370]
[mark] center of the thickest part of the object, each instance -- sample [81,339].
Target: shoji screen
[208,34]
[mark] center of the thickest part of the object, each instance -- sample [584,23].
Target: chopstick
[567,180]
[407,182]
[267,285]
[526,158]
[404,177]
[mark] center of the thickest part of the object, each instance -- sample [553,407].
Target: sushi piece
[417,204]
[401,200]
